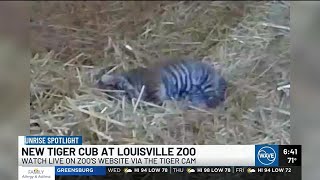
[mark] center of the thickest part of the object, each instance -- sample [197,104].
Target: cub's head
[117,86]
[218,96]
[210,97]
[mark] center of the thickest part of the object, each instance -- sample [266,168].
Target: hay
[248,40]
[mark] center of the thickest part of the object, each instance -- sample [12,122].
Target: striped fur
[185,80]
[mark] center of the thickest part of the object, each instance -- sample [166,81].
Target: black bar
[289,155]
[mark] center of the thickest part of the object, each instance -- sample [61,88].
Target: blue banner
[267,155]
[53,140]
[80,171]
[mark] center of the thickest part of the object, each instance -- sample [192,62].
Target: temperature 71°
[291,160]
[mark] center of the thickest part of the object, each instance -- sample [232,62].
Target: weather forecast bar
[102,171]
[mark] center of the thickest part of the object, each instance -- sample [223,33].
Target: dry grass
[250,41]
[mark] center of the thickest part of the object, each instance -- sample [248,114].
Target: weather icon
[249,170]
[127,170]
[189,170]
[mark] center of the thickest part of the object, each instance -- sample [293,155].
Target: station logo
[266,155]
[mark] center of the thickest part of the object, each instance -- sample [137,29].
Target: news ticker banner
[66,155]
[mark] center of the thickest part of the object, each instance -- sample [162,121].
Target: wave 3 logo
[267,155]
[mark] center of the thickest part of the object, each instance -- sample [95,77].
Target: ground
[248,40]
